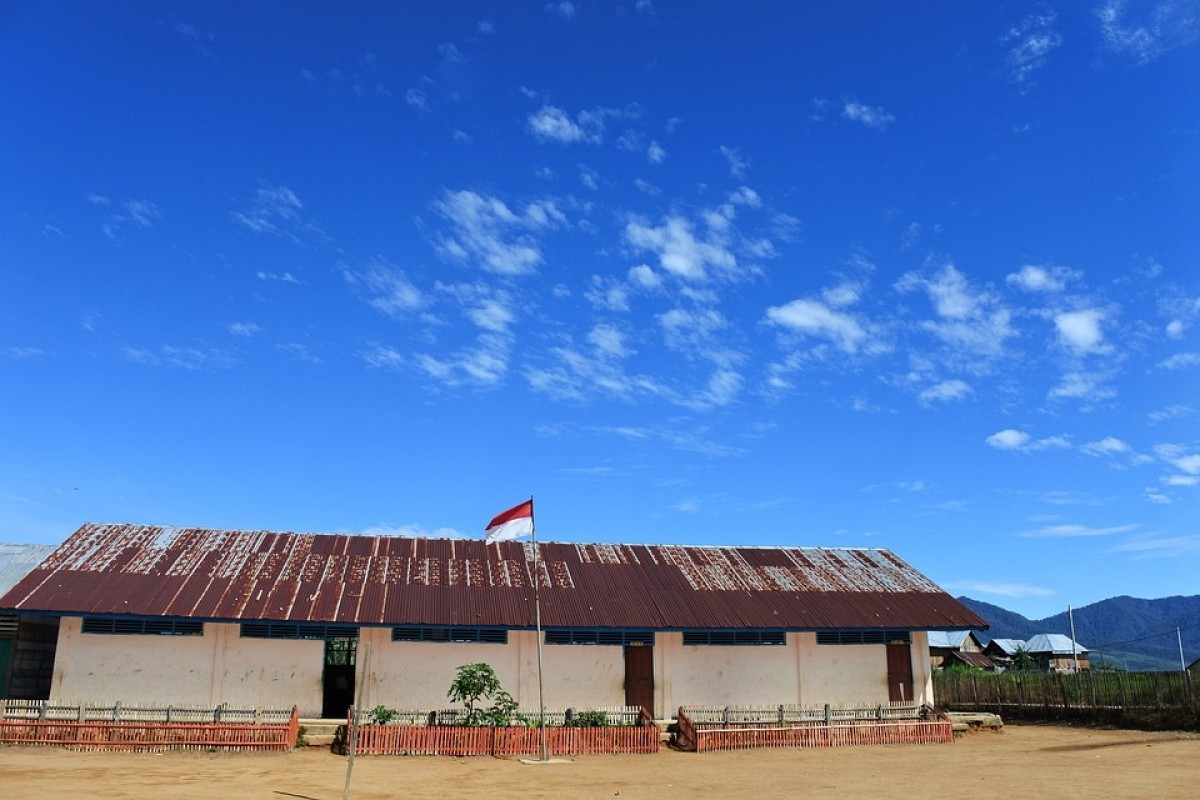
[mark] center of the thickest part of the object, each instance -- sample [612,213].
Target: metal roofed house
[942,644]
[180,615]
[26,641]
[1003,652]
[1055,652]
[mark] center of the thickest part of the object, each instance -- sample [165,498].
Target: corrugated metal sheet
[374,580]
[16,560]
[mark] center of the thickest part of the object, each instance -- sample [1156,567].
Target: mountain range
[1126,632]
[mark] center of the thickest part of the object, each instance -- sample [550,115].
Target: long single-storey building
[177,615]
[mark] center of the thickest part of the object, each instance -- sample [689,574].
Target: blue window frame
[143,626]
[442,633]
[600,636]
[734,637]
[297,630]
[864,637]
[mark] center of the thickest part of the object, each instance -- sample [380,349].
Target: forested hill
[1128,632]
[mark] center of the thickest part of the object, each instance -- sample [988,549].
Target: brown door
[900,677]
[639,677]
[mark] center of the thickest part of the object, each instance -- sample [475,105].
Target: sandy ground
[1020,761]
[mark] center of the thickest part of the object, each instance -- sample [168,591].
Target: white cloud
[871,116]
[1032,40]
[608,293]
[1075,531]
[1156,546]
[1082,331]
[383,356]
[681,252]
[243,328]
[945,392]
[1179,458]
[738,164]
[813,318]
[999,588]
[1181,480]
[1108,446]
[1082,386]
[275,210]
[414,530]
[1164,26]
[486,232]
[416,99]
[1180,361]
[552,124]
[644,277]
[563,10]
[281,277]
[655,153]
[1170,412]
[608,340]
[193,359]
[1008,439]
[971,321]
[1033,278]
[387,288]
[698,332]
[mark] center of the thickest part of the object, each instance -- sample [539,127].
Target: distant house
[1003,652]
[26,640]
[1194,667]
[944,644]
[178,615]
[1055,652]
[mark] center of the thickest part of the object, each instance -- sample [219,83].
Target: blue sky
[914,277]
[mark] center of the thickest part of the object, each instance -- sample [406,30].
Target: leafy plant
[588,719]
[475,682]
[1023,661]
[382,715]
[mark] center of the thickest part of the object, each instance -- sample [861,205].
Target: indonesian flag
[511,524]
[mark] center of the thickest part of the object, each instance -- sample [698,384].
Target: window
[863,637]
[143,626]
[735,637]
[604,636]
[435,633]
[296,630]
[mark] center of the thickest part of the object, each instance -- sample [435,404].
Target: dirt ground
[1022,760]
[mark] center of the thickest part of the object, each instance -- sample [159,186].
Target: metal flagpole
[537,612]
[1074,647]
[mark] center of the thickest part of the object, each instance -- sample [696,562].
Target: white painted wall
[221,667]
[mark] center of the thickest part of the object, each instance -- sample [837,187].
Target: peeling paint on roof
[150,570]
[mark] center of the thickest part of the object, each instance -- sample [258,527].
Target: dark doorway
[639,677]
[900,675]
[338,683]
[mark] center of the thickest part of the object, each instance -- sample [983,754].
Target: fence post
[117,711]
[828,715]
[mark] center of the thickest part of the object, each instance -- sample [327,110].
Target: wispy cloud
[738,163]
[1159,27]
[1180,361]
[1170,412]
[945,392]
[281,277]
[193,359]
[564,9]
[486,232]
[1012,439]
[1073,530]
[1158,546]
[246,329]
[16,352]
[275,210]
[413,530]
[1082,332]
[971,321]
[810,317]
[871,116]
[131,213]
[1034,278]
[694,253]
[387,289]
[552,124]
[1030,43]
[999,588]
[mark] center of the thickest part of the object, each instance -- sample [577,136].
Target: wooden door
[899,672]
[639,677]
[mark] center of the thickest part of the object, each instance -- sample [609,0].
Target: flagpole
[537,613]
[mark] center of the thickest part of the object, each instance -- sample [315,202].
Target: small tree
[475,682]
[1023,661]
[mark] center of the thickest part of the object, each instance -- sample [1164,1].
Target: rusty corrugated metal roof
[148,570]
[16,560]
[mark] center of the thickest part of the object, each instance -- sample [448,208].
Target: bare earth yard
[1022,760]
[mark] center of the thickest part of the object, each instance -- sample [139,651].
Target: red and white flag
[511,524]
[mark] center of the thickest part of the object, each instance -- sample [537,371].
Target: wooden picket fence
[117,727]
[707,729]
[514,740]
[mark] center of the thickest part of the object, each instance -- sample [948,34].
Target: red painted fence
[456,740]
[709,736]
[133,735]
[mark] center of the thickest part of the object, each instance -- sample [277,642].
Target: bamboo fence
[706,729]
